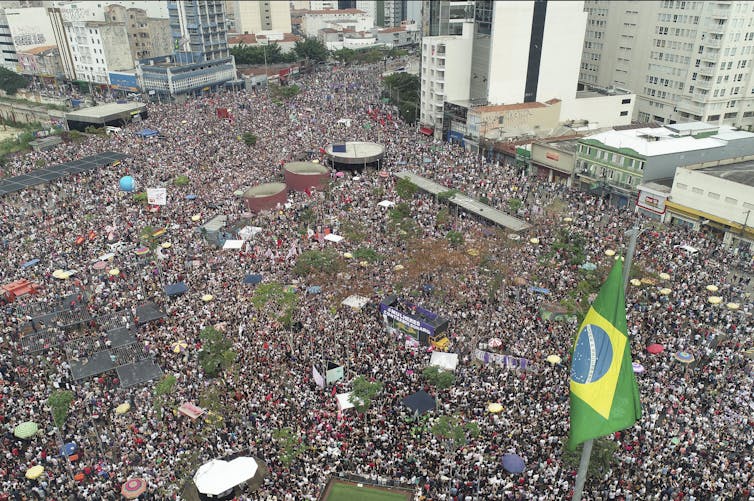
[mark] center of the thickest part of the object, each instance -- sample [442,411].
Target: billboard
[30,28]
[411,319]
[124,81]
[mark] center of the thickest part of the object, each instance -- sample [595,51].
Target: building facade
[147,37]
[198,28]
[97,47]
[41,61]
[165,76]
[254,17]
[445,17]
[351,19]
[685,60]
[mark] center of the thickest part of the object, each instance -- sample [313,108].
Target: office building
[685,60]
[198,29]
[255,17]
[147,37]
[445,17]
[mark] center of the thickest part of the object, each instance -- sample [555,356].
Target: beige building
[505,121]
[41,61]
[244,16]
[554,161]
[147,37]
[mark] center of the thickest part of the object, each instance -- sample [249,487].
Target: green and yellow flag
[604,394]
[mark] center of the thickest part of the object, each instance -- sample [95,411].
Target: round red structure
[301,176]
[265,196]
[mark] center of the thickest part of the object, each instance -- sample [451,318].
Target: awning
[688,211]
[427,131]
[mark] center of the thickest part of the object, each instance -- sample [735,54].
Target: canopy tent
[332,237]
[233,244]
[420,402]
[314,289]
[355,301]
[386,204]
[344,401]
[539,290]
[248,232]
[445,361]
[148,133]
[252,279]
[176,289]
[218,477]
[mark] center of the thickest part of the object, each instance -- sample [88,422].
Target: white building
[597,107]
[347,19]
[719,200]
[685,60]
[255,17]
[30,28]
[8,56]
[317,5]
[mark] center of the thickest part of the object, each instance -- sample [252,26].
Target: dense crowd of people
[694,440]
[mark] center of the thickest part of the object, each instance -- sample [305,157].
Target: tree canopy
[312,50]
[10,81]
[403,91]
[255,54]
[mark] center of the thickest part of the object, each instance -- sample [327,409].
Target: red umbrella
[654,349]
[133,488]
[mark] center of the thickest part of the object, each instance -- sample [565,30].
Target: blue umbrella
[428,288]
[314,289]
[68,449]
[588,266]
[191,196]
[513,463]
[539,290]
[29,263]
[252,279]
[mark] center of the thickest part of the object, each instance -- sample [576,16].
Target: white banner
[157,196]
[318,379]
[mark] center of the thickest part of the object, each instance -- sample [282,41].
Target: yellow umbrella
[207,298]
[648,281]
[733,306]
[35,472]
[665,291]
[179,346]
[567,219]
[664,276]
[472,252]
[114,272]
[494,408]
[184,122]
[609,252]
[554,359]
[348,255]
[534,240]
[196,217]
[60,274]
[712,288]
[123,408]
[364,264]
[635,282]
[166,245]
[715,299]
[398,267]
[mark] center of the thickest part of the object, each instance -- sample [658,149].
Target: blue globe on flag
[127,184]
[592,355]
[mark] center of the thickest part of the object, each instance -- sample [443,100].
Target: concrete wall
[561,50]
[720,197]
[664,166]
[562,161]
[602,110]
[116,48]
[24,113]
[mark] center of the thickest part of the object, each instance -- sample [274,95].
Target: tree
[344,55]
[317,261]
[249,138]
[181,180]
[455,238]
[405,188]
[60,402]
[311,49]
[279,302]
[454,433]
[216,353]
[440,379]
[161,390]
[290,445]
[363,392]
[403,91]
[367,254]
[447,195]
[514,204]
[603,452]
[10,81]
[284,92]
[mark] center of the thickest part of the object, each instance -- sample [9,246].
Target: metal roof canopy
[468,204]
[104,112]
[41,176]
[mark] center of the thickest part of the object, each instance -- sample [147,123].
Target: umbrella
[567,219]
[133,488]
[420,402]
[513,463]
[364,264]
[494,408]
[655,348]
[588,266]
[398,267]
[35,472]
[348,255]
[123,408]
[495,342]
[684,357]
[190,196]
[60,274]
[252,279]
[609,252]
[159,232]
[749,353]
[427,288]
[114,272]
[472,252]
[635,282]
[29,263]
[648,281]
[675,440]
[184,122]
[514,236]
[733,306]
[534,240]
[68,449]
[207,298]
[99,265]
[519,281]
[665,291]
[715,299]
[339,174]
[196,217]
[179,346]
[554,359]
[314,289]
[638,368]
[166,245]
[26,430]
[712,288]
[238,193]
[383,174]
[141,251]
[664,276]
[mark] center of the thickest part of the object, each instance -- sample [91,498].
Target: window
[623,113]
[682,186]
[714,196]
[697,191]
[731,200]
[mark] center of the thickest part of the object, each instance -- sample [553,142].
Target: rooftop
[251,38]
[329,12]
[38,50]
[568,145]
[509,107]
[739,172]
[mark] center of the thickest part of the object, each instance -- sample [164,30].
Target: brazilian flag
[604,394]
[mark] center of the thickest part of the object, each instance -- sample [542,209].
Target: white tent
[233,244]
[386,203]
[343,401]
[332,237]
[355,301]
[218,477]
[248,232]
[445,361]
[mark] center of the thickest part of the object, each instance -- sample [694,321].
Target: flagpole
[586,452]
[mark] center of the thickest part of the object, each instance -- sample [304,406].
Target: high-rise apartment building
[386,13]
[685,60]
[198,27]
[445,17]
[258,16]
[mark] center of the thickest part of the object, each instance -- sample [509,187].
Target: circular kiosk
[265,196]
[300,176]
[355,155]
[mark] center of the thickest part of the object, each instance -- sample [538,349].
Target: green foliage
[399,212]
[147,238]
[72,135]
[140,197]
[495,283]
[438,378]
[307,216]
[290,445]
[161,390]
[344,55]
[10,81]
[317,261]
[216,354]
[280,299]
[447,195]
[367,254]
[455,238]
[97,131]
[249,138]
[256,54]
[443,215]
[311,49]
[603,452]
[454,431]
[403,91]
[514,204]
[484,200]
[59,402]
[283,92]
[570,246]
[405,188]
[354,231]
[363,392]
[181,180]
